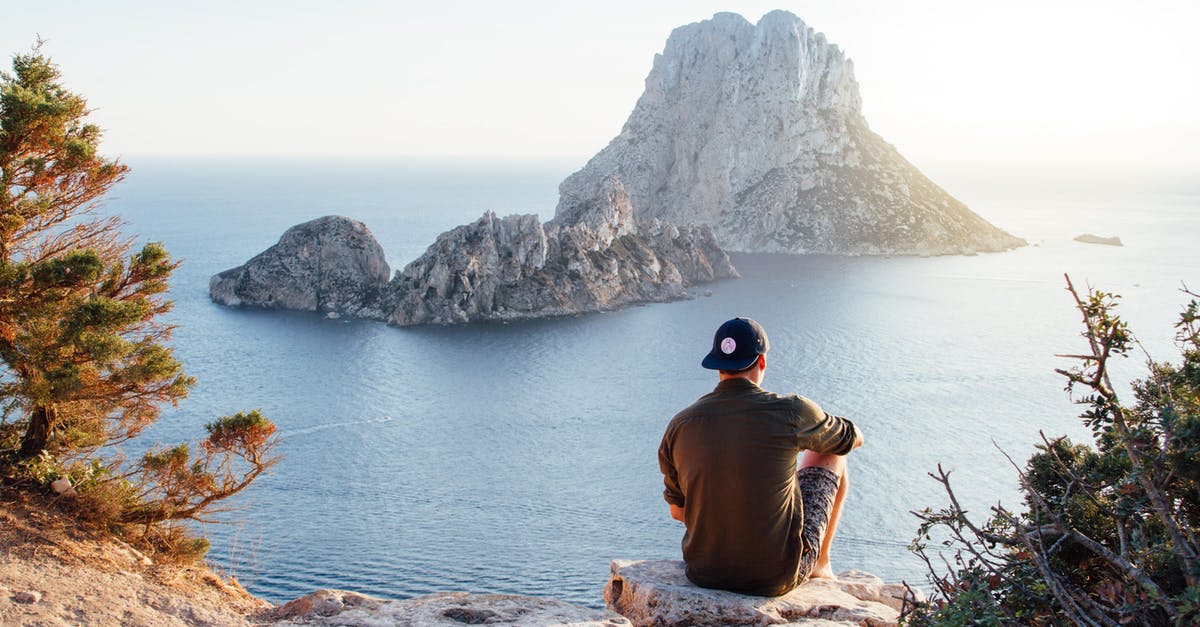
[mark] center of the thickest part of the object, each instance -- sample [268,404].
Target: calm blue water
[521,458]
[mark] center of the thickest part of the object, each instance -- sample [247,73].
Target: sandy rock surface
[51,574]
[349,609]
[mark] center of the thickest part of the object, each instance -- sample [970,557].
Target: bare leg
[837,465]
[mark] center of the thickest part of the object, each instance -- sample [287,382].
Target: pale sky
[969,83]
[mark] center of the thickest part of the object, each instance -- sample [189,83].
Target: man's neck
[754,377]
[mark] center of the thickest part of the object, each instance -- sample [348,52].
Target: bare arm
[676,512]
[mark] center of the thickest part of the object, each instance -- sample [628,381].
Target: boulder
[350,609]
[331,264]
[757,130]
[321,604]
[658,593]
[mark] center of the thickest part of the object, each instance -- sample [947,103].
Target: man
[755,524]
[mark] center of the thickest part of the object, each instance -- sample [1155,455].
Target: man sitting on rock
[755,524]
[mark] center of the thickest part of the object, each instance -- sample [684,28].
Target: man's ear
[762,361]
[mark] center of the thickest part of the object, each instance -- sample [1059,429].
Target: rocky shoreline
[53,573]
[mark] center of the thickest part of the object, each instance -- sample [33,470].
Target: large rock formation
[331,264]
[757,131]
[593,258]
[657,593]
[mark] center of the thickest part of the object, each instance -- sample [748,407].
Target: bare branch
[1120,564]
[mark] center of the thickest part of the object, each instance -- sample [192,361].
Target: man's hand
[676,512]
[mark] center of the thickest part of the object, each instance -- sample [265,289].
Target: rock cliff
[331,264]
[593,258]
[757,130]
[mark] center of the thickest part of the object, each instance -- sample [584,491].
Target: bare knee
[833,463]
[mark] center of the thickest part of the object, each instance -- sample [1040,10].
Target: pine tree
[79,327]
[85,358]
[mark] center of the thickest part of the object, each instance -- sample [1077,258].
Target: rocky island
[1088,238]
[331,264]
[593,259]
[757,130]
[747,138]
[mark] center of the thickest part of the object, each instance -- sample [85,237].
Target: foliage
[1108,535]
[86,365]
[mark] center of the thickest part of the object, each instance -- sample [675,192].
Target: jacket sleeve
[822,432]
[671,492]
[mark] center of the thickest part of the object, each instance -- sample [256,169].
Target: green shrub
[1108,532]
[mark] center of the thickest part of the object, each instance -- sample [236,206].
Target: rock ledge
[657,593]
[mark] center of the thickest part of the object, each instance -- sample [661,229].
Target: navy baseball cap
[737,345]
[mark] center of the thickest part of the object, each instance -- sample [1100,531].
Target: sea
[521,457]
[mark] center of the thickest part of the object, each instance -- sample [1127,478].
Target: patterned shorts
[819,488]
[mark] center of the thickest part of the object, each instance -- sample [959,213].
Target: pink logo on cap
[728,346]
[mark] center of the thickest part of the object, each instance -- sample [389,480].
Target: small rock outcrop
[658,593]
[594,258]
[350,609]
[332,264]
[757,130]
[1088,238]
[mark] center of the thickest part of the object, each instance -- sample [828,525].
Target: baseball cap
[736,346]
